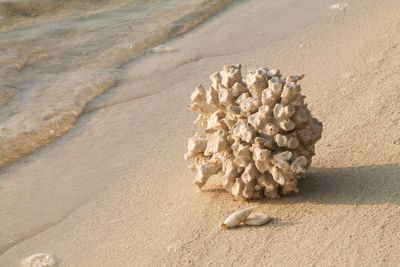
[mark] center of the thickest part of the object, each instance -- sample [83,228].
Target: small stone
[172,248]
[340,6]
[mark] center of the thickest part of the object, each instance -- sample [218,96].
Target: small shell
[340,6]
[237,217]
[257,219]
[163,49]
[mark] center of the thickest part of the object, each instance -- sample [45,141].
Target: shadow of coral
[374,184]
[364,185]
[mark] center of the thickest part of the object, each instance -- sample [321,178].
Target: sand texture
[116,191]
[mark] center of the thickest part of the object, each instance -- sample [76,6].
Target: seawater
[57,55]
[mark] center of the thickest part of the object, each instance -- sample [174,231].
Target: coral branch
[257,131]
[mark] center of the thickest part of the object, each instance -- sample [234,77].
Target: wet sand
[115,190]
[58,55]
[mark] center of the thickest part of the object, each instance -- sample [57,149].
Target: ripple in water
[57,55]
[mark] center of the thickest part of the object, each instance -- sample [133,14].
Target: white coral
[257,131]
[40,260]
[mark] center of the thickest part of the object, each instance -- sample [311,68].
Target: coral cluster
[256,131]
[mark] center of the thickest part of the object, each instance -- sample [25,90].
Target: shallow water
[56,56]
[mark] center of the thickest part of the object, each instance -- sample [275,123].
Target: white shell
[257,219]
[163,49]
[236,218]
[339,6]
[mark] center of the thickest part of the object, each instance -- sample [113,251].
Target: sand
[115,190]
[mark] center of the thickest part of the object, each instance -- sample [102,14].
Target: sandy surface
[115,191]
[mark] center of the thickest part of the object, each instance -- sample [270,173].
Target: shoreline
[37,120]
[115,190]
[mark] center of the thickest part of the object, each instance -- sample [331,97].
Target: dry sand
[115,190]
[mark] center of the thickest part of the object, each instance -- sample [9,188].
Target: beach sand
[115,190]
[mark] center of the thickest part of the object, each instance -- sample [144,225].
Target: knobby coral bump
[257,131]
